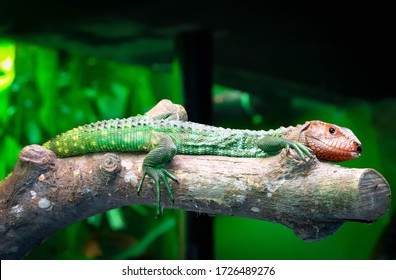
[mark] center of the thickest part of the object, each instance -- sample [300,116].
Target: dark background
[339,47]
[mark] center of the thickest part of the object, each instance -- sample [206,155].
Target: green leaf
[96,220]
[116,219]
[9,155]
[34,132]
[141,247]
[142,210]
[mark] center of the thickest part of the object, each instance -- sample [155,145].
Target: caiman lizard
[165,133]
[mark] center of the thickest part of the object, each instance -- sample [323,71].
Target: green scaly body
[137,133]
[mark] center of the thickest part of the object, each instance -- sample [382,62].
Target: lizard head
[331,142]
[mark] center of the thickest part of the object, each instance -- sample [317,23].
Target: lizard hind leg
[166,110]
[162,151]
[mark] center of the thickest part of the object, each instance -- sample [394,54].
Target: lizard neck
[294,133]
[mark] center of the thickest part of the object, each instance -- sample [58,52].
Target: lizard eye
[331,130]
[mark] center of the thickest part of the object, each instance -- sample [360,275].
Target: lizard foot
[158,174]
[300,149]
[274,144]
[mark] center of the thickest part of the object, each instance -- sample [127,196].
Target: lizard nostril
[359,148]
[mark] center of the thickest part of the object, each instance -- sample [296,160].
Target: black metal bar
[194,54]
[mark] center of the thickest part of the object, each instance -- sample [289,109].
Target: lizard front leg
[272,144]
[162,150]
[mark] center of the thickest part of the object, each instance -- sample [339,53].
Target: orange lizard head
[331,142]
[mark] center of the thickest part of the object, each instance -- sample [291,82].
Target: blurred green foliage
[53,92]
[44,92]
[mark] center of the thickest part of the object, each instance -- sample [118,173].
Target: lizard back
[134,134]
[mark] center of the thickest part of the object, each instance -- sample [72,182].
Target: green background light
[7,71]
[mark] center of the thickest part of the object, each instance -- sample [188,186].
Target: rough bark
[314,199]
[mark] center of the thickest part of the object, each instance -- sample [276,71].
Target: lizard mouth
[332,150]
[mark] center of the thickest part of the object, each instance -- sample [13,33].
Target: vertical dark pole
[194,51]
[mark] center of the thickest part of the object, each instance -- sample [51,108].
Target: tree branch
[314,199]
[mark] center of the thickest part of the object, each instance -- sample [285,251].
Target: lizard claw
[300,149]
[274,144]
[159,175]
